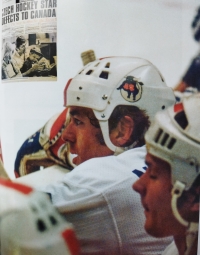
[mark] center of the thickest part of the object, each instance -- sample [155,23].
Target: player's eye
[154,177]
[77,122]
[152,174]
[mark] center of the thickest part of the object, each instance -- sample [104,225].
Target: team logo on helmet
[131,89]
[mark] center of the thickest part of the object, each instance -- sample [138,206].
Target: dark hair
[94,122]
[195,186]
[192,190]
[187,195]
[35,51]
[140,118]
[19,41]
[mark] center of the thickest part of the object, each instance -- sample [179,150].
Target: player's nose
[68,135]
[139,185]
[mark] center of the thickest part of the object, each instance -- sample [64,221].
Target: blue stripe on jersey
[139,173]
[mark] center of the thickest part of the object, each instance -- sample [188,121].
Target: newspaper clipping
[29,40]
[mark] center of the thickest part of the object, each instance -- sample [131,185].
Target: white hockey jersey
[97,197]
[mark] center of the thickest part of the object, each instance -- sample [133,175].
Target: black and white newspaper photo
[29,40]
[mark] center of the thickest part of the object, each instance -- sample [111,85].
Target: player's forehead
[150,159]
[156,163]
[80,111]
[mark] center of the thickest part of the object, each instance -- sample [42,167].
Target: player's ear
[194,211]
[190,205]
[195,204]
[195,207]
[123,131]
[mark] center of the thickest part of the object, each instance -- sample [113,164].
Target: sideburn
[94,122]
[99,137]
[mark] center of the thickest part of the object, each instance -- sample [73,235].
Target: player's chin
[152,230]
[149,230]
[77,160]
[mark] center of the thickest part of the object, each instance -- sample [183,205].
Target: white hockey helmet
[108,82]
[174,136]
[30,225]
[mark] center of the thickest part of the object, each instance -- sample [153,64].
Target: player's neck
[180,241]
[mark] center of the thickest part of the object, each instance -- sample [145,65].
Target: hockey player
[191,79]
[18,57]
[109,102]
[46,147]
[36,64]
[170,187]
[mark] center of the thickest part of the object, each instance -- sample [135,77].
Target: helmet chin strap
[105,131]
[192,227]
[176,193]
[191,235]
[106,136]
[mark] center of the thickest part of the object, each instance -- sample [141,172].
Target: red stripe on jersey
[71,241]
[178,107]
[55,147]
[16,174]
[65,92]
[57,125]
[26,190]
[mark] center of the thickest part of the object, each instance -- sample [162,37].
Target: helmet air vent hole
[97,64]
[89,72]
[41,225]
[52,220]
[163,107]
[192,161]
[159,133]
[181,119]
[171,143]
[107,65]
[164,139]
[104,75]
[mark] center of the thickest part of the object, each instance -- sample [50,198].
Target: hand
[37,67]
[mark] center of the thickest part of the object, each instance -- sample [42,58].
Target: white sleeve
[88,211]
[171,250]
